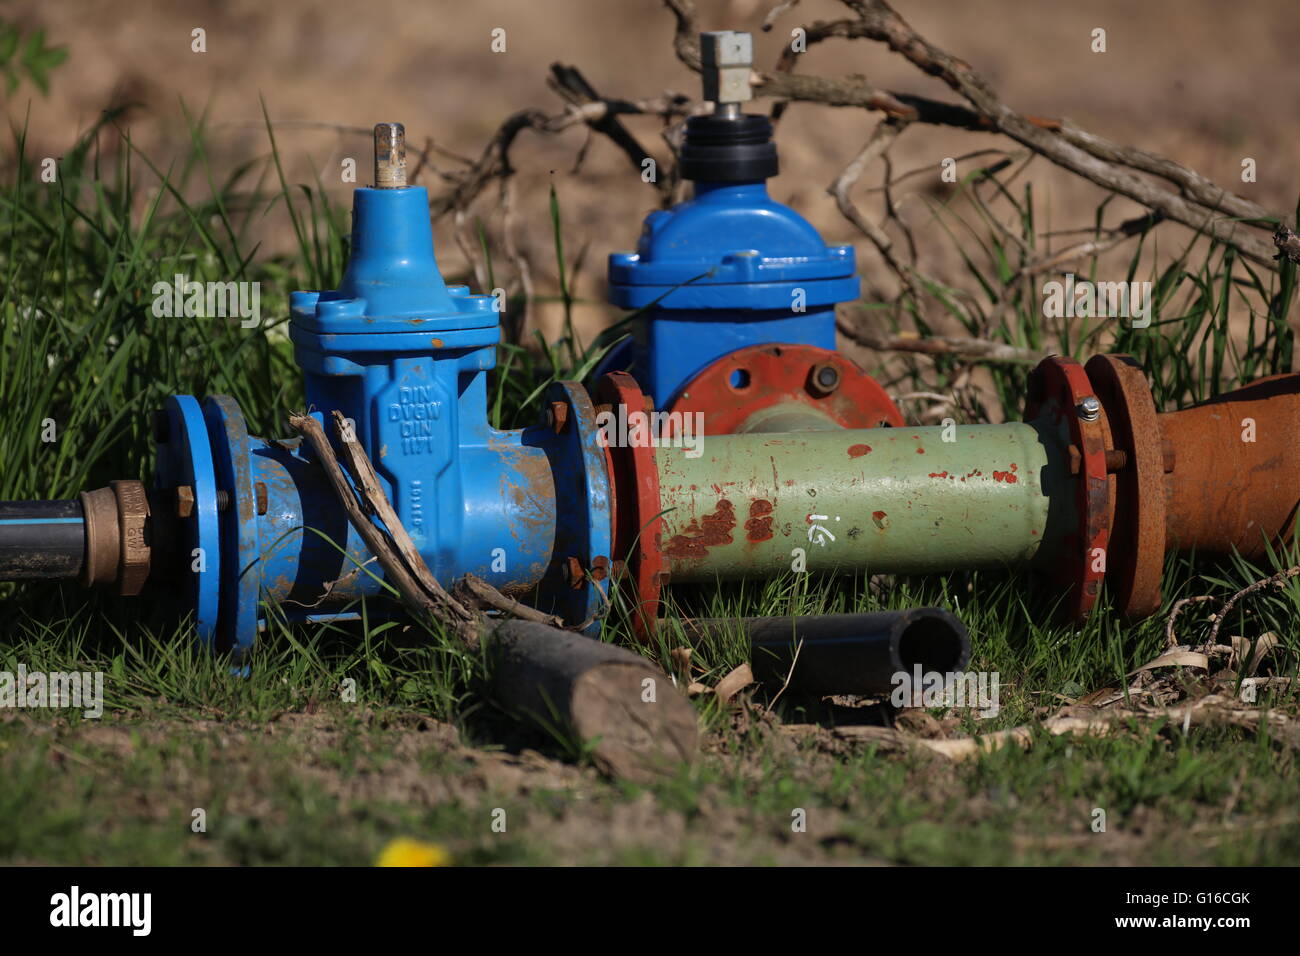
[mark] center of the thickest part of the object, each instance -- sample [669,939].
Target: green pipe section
[879,501]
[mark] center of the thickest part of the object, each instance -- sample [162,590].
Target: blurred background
[1200,81]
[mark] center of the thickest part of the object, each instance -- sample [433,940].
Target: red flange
[759,378]
[1137,552]
[1059,390]
[638,528]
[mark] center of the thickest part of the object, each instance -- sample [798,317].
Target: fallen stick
[418,601]
[487,595]
[603,697]
[375,500]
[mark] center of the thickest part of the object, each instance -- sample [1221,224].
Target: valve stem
[390,156]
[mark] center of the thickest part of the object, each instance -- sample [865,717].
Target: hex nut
[726,59]
[1089,408]
[823,379]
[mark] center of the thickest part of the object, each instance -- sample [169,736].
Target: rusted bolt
[557,416]
[617,570]
[259,492]
[161,427]
[824,379]
[1116,459]
[599,568]
[573,572]
[1089,408]
[185,501]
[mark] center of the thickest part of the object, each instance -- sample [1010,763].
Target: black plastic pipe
[852,654]
[41,539]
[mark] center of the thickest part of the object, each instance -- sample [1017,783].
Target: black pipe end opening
[932,638]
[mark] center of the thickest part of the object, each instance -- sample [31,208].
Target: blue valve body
[727,269]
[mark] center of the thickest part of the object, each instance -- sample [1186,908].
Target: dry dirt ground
[337,784]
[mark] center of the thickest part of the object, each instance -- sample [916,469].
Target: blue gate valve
[405,359]
[730,269]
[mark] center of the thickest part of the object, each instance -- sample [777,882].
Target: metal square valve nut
[726,58]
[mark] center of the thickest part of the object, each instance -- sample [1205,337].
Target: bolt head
[557,416]
[573,572]
[1089,408]
[184,501]
[825,378]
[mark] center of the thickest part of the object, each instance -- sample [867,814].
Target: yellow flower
[407,852]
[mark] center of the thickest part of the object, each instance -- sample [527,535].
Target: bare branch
[982,350]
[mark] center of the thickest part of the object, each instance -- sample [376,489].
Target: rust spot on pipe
[857,451]
[939,474]
[711,530]
[881,519]
[759,526]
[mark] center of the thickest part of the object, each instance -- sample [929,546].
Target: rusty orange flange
[1059,390]
[748,381]
[1137,550]
[638,530]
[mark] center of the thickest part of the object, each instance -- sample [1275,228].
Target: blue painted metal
[584,520]
[8,521]
[241,570]
[405,358]
[727,269]
[186,459]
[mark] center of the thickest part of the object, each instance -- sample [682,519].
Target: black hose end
[864,655]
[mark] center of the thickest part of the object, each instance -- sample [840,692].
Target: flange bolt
[824,379]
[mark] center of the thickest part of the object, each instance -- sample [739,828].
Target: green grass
[288,772]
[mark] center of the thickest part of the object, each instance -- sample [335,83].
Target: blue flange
[584,523]
[241,570]
[185,459]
